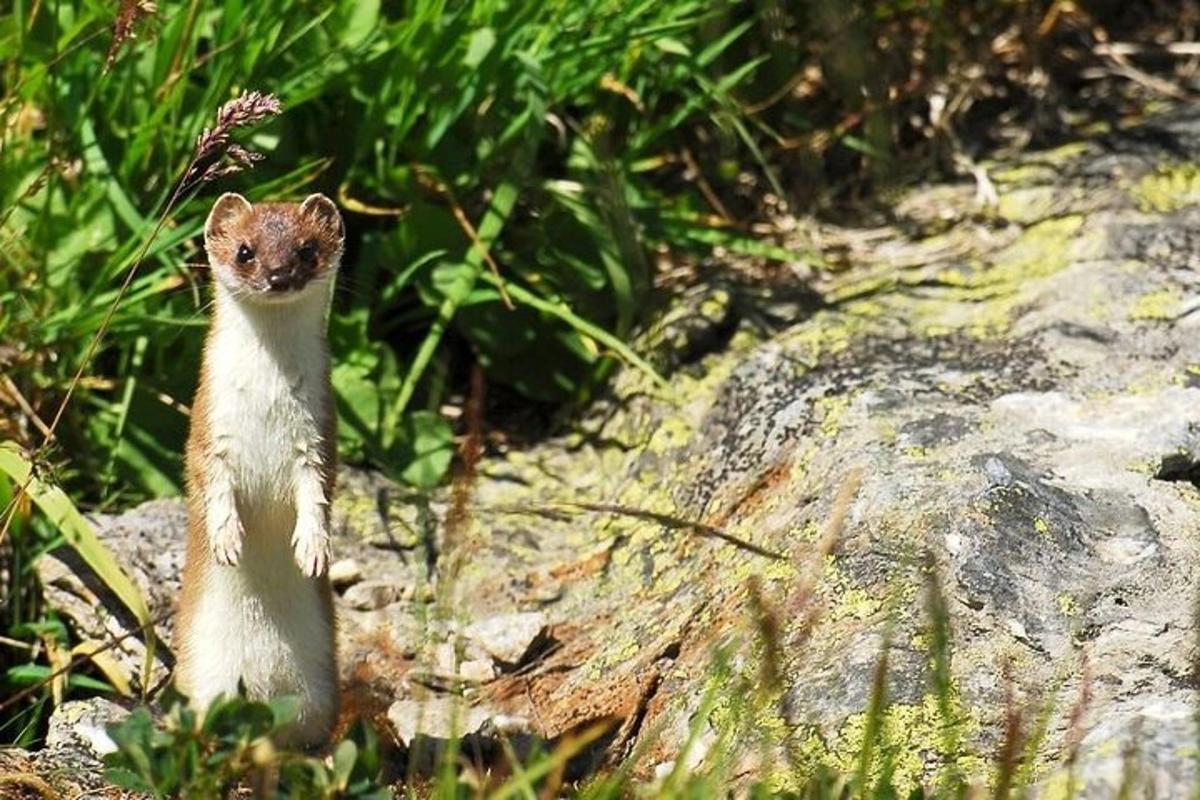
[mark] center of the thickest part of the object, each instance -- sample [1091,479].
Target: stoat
[256,605]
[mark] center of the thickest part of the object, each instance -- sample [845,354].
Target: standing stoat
[256,606]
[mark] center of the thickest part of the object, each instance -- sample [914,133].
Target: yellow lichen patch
[847,599]
[826,333]
[671,433]
[1160,305]
[1041,251]
[1041,526]
[1068,606]
[856,603]
[1060,786]
[621,647]
[1024,175]
[908,735]
[866,308]
[773,571]
[1031,204]
[873,284]
[1043,167]
[829,411]
[1168,189]
[1189,376]
[1060,156]
[983,301]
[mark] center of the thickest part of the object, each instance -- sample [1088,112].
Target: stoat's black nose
[280,280]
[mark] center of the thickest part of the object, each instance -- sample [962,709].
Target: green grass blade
[581,326]
[503,202]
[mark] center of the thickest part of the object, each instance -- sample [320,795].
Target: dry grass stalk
[810,573]
[470,451]
[464,222]
[1075,724]
[770,633]
[217,155]
[128,15]
[1009,756]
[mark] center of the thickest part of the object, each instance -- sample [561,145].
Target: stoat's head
[273,252]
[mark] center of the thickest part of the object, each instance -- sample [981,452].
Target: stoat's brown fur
[256,606]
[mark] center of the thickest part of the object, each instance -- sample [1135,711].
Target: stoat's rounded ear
[321,208]
[227,210]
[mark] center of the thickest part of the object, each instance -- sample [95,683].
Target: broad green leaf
[478,46]
[673,46]
[62,513]
[424,449]
[343,763]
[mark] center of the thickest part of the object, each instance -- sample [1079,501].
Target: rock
[436,718]
[449,668]
[375,594]
[1145,749]
[508,638]
[477,670]
[82,725]
[69,764]
[344,572]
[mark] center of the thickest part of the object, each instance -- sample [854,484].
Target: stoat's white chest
[266,371]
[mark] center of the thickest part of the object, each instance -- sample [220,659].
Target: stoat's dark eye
[244,254]
[307,252]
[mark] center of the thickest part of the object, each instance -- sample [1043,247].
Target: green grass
[486,155]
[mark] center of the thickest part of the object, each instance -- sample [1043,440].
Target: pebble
[376,594]
[508,637]
[344,572]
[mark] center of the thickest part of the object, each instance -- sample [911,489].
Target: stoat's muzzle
[290,277]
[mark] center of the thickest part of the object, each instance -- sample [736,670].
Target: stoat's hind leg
[208,640]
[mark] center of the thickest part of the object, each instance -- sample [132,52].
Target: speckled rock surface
[987,395]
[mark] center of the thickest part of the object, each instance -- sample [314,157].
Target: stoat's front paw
[226,541]
[310,544]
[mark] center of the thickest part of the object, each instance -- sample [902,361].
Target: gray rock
[69,764]
[436,718]
[344,572]
[508,637]
[375,594]
[1148,754]
[82,725]
[148,542]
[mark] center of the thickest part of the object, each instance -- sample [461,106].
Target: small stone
[82,725]
[473,665]
[436,718]
[444,658]
[545,589]
[480,670]
[345,572]
[373,595]
[508,637]
[509,724]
